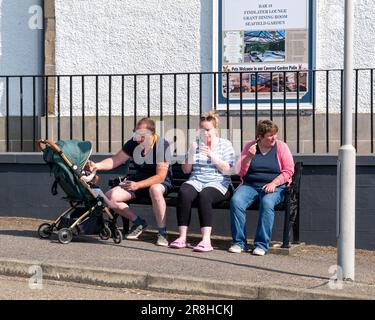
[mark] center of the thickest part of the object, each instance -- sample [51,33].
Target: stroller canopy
[78,152]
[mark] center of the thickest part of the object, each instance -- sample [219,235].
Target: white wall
[21,51]
[133,36]
[330,49]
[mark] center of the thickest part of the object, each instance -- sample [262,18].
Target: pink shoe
[178,244]
[203,247]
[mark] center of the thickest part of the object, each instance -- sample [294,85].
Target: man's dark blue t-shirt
[145,166]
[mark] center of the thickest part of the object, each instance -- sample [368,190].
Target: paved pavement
[304,274]
[16,288]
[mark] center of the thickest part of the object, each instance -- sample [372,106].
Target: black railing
[307,105]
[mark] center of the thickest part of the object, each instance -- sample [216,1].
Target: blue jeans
[243,197]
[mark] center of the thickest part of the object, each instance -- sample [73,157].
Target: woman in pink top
[265,166]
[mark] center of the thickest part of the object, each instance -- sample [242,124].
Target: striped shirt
[205,174]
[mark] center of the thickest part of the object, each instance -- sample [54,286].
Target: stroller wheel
[65,235]
[106,233]
[117,237]
[45,230]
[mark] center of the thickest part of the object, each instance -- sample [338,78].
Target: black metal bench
[291,205]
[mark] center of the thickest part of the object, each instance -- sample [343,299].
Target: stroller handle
[43,143]
[42,146]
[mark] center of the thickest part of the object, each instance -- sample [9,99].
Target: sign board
[270,43]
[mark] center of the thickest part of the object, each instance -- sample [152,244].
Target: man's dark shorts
[145,193]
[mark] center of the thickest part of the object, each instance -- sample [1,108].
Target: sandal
[178,244]
[203,247]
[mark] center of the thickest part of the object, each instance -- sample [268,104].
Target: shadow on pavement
[171,252]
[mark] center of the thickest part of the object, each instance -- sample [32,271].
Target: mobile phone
[122,180]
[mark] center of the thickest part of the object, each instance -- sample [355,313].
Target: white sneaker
[162,240]
[235,248]
[259,252]
[136,231]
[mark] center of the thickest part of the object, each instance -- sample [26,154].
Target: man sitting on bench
[153,178]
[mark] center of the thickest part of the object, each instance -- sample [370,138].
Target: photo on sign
[263,83]
[291,81]
[234,83]
[264,46]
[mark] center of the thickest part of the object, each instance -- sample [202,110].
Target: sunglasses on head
[207,118]
[142,131]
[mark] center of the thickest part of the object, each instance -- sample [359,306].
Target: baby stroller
[66,160]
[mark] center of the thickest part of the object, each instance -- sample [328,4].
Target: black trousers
[206,198]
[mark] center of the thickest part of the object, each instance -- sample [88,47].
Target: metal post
[347,164]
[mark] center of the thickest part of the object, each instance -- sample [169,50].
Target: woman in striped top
[209,161]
